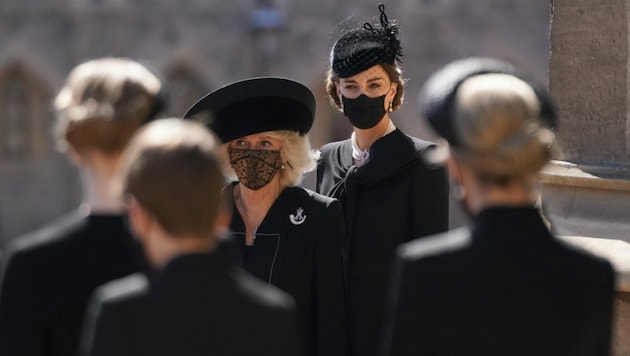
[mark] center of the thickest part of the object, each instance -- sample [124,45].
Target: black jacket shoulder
[438,244]
[47,236]
[318,198]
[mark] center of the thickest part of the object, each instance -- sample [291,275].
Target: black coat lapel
[388,156]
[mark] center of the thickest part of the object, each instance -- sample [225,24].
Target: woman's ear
[391,94]
[394,89]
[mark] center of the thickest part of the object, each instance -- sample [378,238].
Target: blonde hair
[102,104]
[496,118]
[296,153]
[171,167]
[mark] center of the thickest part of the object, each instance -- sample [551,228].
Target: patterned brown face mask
[255,168]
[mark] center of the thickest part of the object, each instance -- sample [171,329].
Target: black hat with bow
[361,48]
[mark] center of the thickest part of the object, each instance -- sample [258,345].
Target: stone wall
[199,45]
[586,193]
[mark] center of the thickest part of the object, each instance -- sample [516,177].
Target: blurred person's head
[497,126]
[364,79]
[171,179]
[102,104]
[263,123]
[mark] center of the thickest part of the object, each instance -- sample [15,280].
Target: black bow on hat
[366,46]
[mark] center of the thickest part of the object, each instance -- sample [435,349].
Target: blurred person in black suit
[506,285]
[198,301]
[48,276]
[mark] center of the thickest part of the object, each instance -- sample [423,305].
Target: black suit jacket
[199,304]
[298,248]
[507,288]
[48,277]
[395,197]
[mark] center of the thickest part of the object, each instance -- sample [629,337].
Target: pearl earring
[391,104]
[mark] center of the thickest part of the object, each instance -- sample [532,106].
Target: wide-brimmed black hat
[437,97]
[256,105]
[363,47]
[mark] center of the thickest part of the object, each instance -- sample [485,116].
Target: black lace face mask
[255,168]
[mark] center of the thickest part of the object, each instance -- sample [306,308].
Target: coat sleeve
[330,328]
[322,184]
[607,302]
[22,311]
[403,331]
[429,199]
[104,331]
[288,326]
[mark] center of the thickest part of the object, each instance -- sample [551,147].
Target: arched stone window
[15,116]
[25,115]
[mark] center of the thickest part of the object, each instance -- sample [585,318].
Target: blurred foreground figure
[505,286]
[198,302]
[49,274]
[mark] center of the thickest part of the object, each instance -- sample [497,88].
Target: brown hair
[102,104]
[496,118]
[172,170]
[393,71]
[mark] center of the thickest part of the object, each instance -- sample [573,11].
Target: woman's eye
[265,144]
[240,144]
[375,86]
[350,87]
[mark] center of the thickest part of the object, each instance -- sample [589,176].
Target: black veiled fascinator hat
[361,48]
[256,105]
[437,97]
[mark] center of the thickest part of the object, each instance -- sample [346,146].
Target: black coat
[48,277]
[199,304]
[507,288]
[395,197]
[298,248]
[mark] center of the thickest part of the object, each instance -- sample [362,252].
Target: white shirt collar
[361,157]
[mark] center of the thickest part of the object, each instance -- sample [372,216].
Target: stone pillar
[586,192]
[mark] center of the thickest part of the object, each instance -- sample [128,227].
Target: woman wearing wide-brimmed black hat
[505,286]
[287,236]
[389,194]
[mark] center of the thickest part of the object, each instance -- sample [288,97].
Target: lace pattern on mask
[255,168]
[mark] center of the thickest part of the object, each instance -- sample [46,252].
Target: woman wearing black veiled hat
[286,235]
[505,286]
[388,193]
